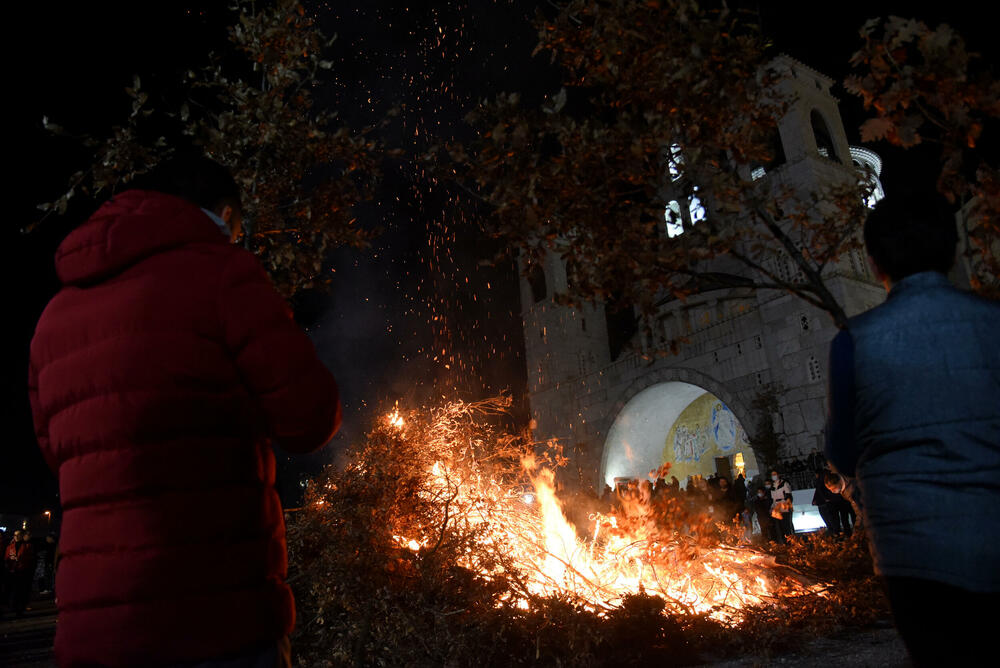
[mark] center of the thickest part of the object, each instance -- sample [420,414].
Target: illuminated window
[674,219]
[870,165]
[675,215]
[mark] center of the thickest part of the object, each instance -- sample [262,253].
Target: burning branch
[429,514]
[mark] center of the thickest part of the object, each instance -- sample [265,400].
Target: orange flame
[601,569]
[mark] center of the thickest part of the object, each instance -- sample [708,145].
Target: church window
[664,329]
[804,322]
[674,218]
[536,279]
[583,324]
[783,269]
[824,141]
[739,348]
[814,370]
[675,215]
[862,263]
[777,157]
[757,342]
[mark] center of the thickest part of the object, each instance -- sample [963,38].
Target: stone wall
[738,343]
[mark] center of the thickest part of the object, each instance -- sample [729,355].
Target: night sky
[421,288]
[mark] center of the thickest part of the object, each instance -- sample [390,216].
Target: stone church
[621,412]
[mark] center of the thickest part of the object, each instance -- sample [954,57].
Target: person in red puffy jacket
[160,374]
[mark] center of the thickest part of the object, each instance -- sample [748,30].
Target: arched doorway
[677,422]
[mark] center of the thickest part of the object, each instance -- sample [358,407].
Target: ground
[27,643]
[869,648]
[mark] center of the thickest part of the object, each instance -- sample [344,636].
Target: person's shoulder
[866,318]
[975,302]
[238,265]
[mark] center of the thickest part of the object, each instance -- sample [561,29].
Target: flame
[394,419]
[622,555]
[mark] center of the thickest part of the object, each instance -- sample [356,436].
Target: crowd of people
[762,505]
[28,566]
[811,462]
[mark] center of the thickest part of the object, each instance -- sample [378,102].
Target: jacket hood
[128,228]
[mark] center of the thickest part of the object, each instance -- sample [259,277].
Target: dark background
[421,288]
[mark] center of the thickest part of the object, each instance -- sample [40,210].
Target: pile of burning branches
[442,542]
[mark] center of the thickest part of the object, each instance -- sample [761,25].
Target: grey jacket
[926,430]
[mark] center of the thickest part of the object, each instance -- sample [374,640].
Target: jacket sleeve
[39,419]
[841,450]
[297,395]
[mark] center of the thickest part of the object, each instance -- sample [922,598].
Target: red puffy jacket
[158,374]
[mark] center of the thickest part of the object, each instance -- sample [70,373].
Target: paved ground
[868,648]
[27,642]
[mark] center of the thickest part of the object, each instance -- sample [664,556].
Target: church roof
[798,65]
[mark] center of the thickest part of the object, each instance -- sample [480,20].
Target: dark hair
[194,177]
[831,477]
[912,232]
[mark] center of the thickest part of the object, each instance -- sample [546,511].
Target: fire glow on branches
[443,492]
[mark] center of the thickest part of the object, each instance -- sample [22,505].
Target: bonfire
[444,522]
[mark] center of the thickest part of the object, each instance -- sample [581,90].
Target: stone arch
[660,377]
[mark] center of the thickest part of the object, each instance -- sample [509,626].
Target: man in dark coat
[762,508]
[915,417]
[845,499]
[826,503]
[159,376]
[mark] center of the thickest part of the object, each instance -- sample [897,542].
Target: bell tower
[563,344]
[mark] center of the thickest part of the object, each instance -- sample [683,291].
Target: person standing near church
[160,375]
[914,416]
[826,504]
[19,562]
[762,508]
[781,498]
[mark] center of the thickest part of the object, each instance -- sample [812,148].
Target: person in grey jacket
[914,416]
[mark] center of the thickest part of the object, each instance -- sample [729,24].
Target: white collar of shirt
[218,221]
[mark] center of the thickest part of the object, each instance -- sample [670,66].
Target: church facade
[754,362]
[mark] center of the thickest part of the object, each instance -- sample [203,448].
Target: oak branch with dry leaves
[251,108]
[924,86]
[666,109]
